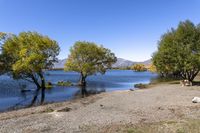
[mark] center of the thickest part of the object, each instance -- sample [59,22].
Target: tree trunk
[82,81]
[37,91]
[84,92]
[189,75]
[35,97]
[42,95]
[192,75]
[43,87]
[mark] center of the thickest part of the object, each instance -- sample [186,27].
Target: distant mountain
[146,62]
[121,63]
[60,63]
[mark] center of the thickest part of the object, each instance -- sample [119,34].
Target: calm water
[11,95]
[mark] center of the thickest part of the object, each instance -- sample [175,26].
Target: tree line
[138,67]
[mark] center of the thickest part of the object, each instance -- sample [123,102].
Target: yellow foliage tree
[152,68]
[138,67]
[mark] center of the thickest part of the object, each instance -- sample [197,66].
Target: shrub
[63,83]
[138,67]
[49,85]
[141,86]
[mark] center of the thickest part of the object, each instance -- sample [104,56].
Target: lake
[12,97]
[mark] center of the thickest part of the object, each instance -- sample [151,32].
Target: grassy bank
[157,81]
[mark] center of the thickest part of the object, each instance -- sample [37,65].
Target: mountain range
[121,63]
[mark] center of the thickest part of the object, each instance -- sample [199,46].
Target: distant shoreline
[55,69]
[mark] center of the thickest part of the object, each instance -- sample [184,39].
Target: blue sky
[130,28]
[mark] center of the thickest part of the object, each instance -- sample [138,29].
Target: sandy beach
[106,112]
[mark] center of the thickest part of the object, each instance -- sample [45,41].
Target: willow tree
[27,55]
[88,58]
[179,51]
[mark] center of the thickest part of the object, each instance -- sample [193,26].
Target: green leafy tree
[179,52]
[88,58]
[138,67]
[27,55]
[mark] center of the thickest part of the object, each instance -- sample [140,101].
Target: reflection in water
[35,97]
[84,92]
[12,97]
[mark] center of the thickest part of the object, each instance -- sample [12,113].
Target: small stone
[196,100]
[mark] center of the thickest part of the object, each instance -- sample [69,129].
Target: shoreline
[79,98]
[20,100]
[75,98]
[71,101]
[162,102]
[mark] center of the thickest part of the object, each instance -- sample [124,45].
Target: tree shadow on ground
[196,83]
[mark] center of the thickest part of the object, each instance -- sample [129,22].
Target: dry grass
[186,126]
[181,126]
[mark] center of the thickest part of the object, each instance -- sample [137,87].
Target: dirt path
[98,113]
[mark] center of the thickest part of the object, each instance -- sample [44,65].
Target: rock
[131,89]
[196,100]
[101,105]
[49,83]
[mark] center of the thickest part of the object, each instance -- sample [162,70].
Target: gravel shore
[102,112]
